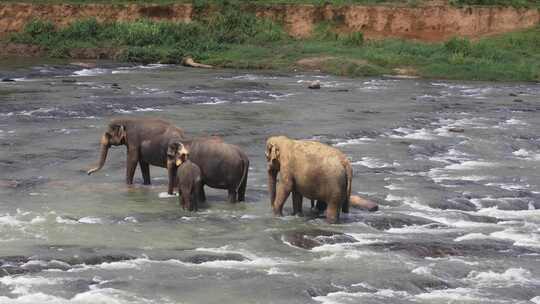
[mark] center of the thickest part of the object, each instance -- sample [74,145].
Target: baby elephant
[189,183]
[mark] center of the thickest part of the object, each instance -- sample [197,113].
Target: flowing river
[455,167]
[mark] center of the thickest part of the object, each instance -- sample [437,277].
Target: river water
[453,165]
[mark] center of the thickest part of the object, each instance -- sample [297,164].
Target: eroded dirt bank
[427,23]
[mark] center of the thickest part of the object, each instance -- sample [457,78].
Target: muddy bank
[427,23]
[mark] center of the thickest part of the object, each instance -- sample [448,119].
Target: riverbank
[236,38]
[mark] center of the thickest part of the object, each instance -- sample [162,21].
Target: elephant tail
[243,180]
[348,174]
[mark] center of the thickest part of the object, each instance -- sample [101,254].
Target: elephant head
[114,136]
[177,153]
[273,153]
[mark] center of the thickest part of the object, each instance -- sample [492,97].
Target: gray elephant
[189,182]
[146,140]
[222,165]
[311,169]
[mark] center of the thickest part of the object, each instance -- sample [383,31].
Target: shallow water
[453,165]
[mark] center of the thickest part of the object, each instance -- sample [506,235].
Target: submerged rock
[456,130]
[387,221]
[438,249]
[309,239]
[207,257]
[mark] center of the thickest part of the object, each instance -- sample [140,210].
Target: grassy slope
[239,40]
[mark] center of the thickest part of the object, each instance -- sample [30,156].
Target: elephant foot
[232,197]
[277,213]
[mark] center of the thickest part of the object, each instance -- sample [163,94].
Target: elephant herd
[305,168]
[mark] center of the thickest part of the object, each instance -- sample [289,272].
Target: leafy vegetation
[236,39]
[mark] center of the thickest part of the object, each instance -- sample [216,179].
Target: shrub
[458,45]
[36,28]
[353,39]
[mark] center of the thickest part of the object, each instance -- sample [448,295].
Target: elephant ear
[171,150]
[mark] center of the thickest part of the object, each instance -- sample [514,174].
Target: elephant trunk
[171,170]
[272,177]
[103,156]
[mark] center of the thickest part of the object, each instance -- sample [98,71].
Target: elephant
[354,201]
[189,183]
[223,165]
[146,140]
[311,169]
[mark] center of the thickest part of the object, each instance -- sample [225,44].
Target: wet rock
[100,259]
[480,218]
[426,284]
[437,249]
[339,90]
[512,94]
[309,239]
[517,100]
[203,258]
[10,265]
[27,183]
[8,80]
[69,80]
[454,203]
[456,130]
[315,85]
[387,221]
[71,288]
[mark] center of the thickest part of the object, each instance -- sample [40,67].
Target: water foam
[406,133]
[91,72]
[510,277]
[340,297]
[353,141]
[371,162]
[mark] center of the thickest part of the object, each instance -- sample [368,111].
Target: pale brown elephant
[311,169]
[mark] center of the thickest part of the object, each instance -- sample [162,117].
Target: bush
[37,28]
[81,29]
[353,39]
[458,45]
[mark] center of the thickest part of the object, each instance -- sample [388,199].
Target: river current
[454,166]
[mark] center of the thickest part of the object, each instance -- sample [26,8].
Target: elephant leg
[297,202]
[186,198]
[232,196]
[283,192]
[145,169]
[194,201]
[131,165]
[202,195]
[312,204]
[332,211]
[321,206]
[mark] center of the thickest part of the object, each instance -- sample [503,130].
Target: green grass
[236,39]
